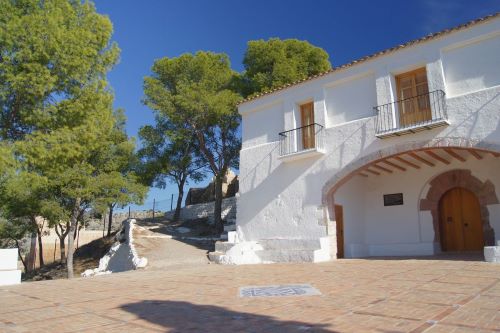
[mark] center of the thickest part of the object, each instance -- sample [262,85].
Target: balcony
[411,115]
[302,142]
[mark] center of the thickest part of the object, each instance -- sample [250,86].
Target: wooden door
[339,219]
[307,125]
[413,98]
[451,221]
[460,221]
[472,224]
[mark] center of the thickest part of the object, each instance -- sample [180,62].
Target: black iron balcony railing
[411,114]
[304,138]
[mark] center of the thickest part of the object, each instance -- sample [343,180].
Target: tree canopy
[169,154]
[195,92]
[64,149]
[49,50]
[275,62]
[56,118]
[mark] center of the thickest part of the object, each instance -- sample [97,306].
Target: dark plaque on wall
[394,199]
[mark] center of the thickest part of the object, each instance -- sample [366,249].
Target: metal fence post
[154,203]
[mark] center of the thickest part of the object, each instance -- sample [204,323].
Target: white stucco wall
[263,125]
[482,73]
[351,197]
[343,103]
[284,199]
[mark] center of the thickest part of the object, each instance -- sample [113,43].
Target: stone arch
[349,170]
[442,183]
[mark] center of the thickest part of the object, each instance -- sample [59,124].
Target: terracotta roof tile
[374,55]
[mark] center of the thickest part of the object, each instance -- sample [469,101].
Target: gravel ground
[154,242]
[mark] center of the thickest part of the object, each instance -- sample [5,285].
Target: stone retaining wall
[206,210]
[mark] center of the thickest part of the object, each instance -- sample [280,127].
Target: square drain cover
[279,290]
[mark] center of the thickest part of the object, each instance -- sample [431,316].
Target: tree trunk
[62,237]
[32,253]
[71,239]
[219,226]
[75,231]
[39,230]
[180,187]
[20,256]
[62,248]
[110,218]
[40,248]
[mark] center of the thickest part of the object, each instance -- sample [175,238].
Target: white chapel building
[395,154]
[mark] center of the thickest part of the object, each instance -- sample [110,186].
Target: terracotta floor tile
[475,317]
[356,296]
[454,329]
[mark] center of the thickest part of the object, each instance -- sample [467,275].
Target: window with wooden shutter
[307,125]
[413,98]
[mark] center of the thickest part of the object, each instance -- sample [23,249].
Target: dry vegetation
[87,256]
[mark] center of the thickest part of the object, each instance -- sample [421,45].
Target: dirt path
[163,251]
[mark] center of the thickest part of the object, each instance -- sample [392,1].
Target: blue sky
[347,30]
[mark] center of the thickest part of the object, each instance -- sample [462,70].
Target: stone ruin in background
[230,186]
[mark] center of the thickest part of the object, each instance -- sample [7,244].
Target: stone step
[229,227]
[492,254]
[286,255]
[290,244]
[10,277]
[215,256]
[223,246]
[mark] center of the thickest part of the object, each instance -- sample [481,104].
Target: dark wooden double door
[460,221]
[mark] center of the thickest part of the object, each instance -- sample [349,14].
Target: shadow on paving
[179,316]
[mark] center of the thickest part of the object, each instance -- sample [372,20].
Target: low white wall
[8,259]
[122,256]
[9,274]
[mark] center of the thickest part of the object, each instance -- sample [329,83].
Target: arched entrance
[416,175]
[460,221]
[483,191]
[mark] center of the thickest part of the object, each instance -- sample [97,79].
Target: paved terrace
[357,296]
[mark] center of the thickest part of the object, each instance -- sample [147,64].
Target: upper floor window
[413,97]
[307,125]
[304,141]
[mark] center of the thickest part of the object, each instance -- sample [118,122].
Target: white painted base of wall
[8,259]
[492,253]
[10,277]
[9,274]
[267,251]
[391,250]
[122,256]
